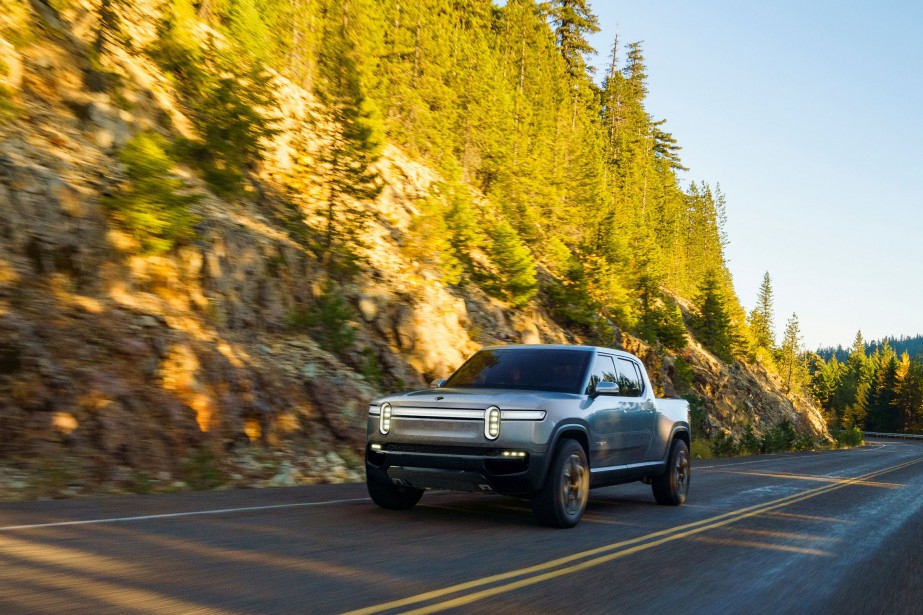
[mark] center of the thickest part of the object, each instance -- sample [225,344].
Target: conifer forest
[556,181]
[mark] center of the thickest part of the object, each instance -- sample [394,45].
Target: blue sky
[809,116]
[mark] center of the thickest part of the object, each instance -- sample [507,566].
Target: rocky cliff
[126,371]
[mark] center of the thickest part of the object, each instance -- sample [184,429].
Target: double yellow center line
[571,564]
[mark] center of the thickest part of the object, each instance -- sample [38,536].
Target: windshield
[539,369]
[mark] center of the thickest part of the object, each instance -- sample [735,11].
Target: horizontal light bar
[438,413]
[430,413]
[522,415]
[513,454]
[376,447]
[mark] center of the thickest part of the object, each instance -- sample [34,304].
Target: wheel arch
[680,433]
[572,431]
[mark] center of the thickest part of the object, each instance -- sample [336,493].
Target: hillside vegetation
[230,223]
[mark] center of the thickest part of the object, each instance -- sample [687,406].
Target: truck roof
[558,347]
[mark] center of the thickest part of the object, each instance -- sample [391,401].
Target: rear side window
[631,384]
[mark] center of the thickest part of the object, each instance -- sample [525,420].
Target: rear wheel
[670,489]
[388,495]
[562,499]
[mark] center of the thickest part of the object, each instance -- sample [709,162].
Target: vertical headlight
[492,423]
[384,420]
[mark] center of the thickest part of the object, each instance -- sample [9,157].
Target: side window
[603,371]
[630,380]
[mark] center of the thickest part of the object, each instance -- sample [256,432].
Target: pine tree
[712,324]
[648,278]
[461,218]
[514,276]
[229,114]
[883,412]
[152,204]
[856,412]
[849,401]
[821,386]
[225,92]
[858,363]
[761,317]
[572,21]
[790,364]
[602,284]
[910,394]
[354,143]
[671,330]
[612,101]
[247,27]
[665,146]
[109,24]
[429,240]
[827,385]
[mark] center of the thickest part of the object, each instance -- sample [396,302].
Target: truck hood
[480,399]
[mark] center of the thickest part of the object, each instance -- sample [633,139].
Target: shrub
[698,418]
[682,376]
[804,442]
[749,443]
[371,368]
[149,204]
[851,436]
[779,438]
[701,449]
[201,470]
[662,323]
[725,446]
[568,300]
[327,321]
[7,106]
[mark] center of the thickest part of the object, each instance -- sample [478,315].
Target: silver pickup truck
[545,422]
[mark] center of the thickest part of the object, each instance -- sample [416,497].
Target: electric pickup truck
[545,422]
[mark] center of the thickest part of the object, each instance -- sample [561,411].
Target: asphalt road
[825,532]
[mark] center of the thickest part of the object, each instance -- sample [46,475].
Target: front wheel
[670,489]
[562,499]
[388,495]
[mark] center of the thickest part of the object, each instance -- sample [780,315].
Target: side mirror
[606,388]
[437,383]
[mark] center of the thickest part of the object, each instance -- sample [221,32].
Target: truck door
[639,414]
[603,415]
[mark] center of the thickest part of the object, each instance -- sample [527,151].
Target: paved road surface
[826,532]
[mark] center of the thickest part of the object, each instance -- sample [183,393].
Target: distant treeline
[873,387]
[912,345]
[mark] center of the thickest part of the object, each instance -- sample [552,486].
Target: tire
[388,495]
[562,499]
[671,488]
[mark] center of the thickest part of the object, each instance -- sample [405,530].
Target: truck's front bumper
[456,468]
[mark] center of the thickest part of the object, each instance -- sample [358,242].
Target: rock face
[121,371]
